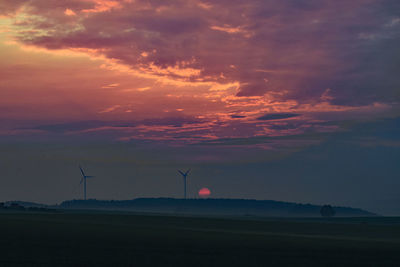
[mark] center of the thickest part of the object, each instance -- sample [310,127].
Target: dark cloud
[170,121]
[72,126]
[237,116]
[87,125]
[277,116]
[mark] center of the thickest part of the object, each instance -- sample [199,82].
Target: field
[101,239]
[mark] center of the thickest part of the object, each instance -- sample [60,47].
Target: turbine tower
[84,177]
[184,175]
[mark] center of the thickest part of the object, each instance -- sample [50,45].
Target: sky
[294,100]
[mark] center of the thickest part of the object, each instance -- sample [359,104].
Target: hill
[25,204]
[230,207]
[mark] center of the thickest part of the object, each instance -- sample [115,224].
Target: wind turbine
[184,175]
[84,177]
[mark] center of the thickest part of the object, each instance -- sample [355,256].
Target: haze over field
[293,100]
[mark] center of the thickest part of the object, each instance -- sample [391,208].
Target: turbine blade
[81,181]
[83,173]
[181,172]
[186,173]
[90,176]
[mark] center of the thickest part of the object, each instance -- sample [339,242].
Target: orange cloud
[69,12]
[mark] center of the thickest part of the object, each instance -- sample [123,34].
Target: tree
[327,211]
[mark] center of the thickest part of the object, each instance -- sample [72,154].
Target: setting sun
[204,192]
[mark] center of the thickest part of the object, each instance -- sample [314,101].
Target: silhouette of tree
[327,211]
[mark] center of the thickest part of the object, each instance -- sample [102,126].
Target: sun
[204,192]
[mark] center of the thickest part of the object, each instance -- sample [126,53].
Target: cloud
[142,89]
[94,124]
[306,46]
[70,126]
[277,116]
[110,86]
[10,7]
[69,12]
[110,109]
[190,70]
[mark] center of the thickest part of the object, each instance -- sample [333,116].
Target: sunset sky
[294,100]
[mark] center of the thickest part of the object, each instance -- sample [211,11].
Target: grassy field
[96,239]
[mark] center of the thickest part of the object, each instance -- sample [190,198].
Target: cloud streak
[277,116]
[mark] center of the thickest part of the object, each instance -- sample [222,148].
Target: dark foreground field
[94,239]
